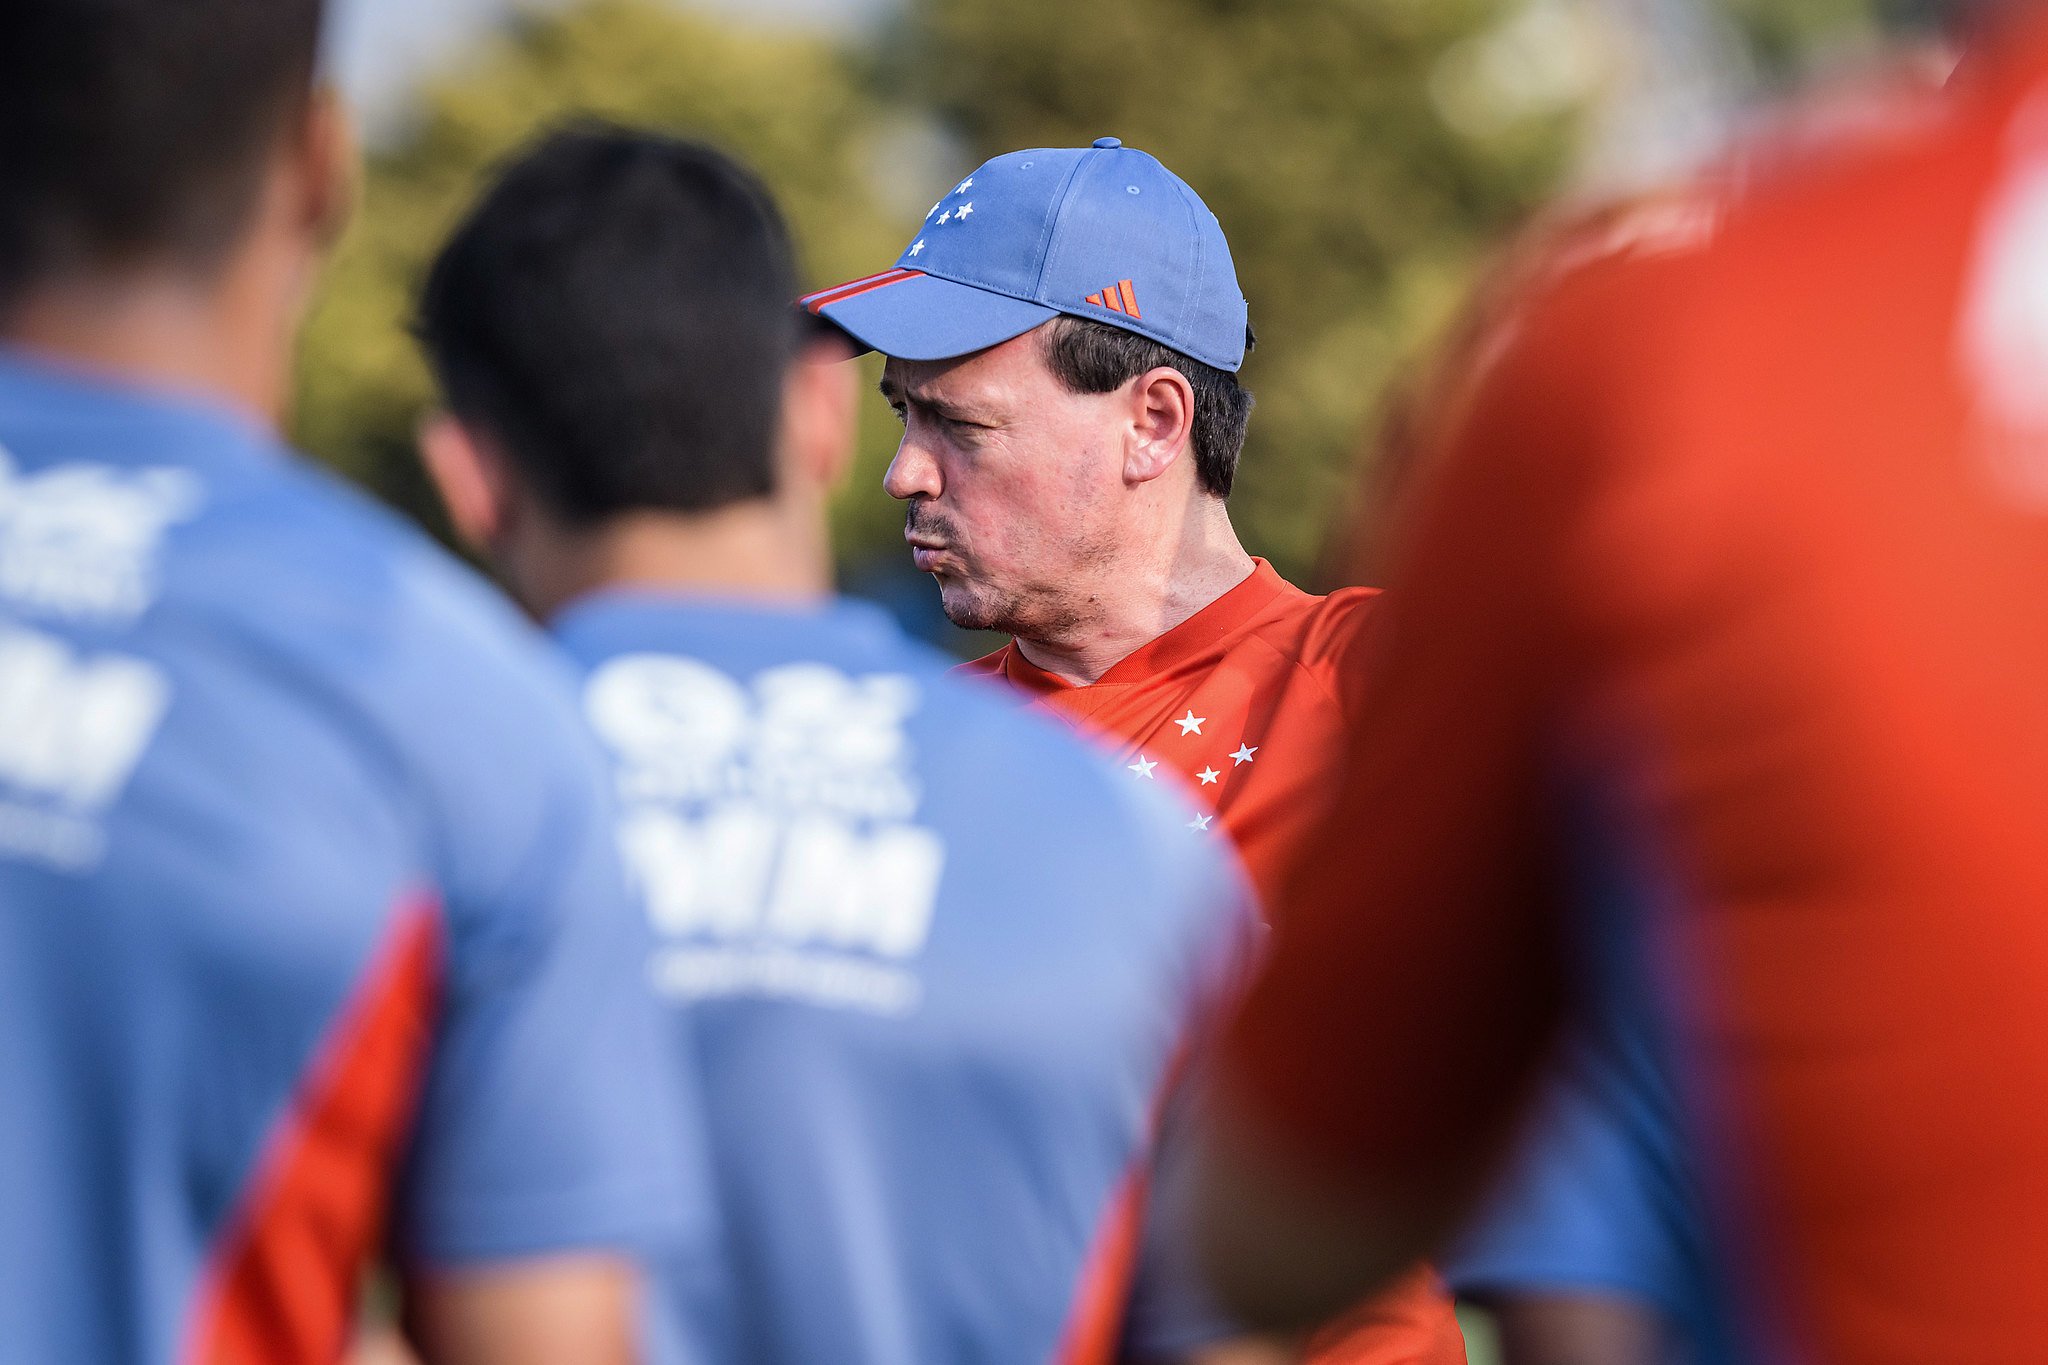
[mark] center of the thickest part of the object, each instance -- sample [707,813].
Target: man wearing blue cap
[929,1088]
[1063,337]
[1025,541]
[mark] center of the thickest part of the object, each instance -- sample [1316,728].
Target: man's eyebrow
[895,394]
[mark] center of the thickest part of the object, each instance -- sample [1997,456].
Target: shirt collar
[217,431]
[825,618]
[1193,640]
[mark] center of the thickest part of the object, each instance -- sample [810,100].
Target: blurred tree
[1362,154]
[1784,37]
[793,106]
[1318,132]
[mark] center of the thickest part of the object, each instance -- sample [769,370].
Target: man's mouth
[924,530]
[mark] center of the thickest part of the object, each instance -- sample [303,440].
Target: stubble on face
[1041,550]
[1050,598]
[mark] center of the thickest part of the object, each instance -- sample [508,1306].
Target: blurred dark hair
[1095,357]
[137,129]
[615,313]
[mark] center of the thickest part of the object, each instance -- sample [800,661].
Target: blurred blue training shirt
[312,927]
[1603,1196]
[935,962]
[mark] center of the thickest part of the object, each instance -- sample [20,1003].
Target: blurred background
[1364,156]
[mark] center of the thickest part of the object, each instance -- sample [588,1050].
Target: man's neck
[1199,564]
[756,550]
[221,341]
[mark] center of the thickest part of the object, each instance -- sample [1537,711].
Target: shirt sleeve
[1603,1194]
[558,1111]
[1170,1312]
[1588,1205]
[1417,968]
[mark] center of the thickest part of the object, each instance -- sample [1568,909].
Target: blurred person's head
[630,397]
[1976,21]
[1964,13]
[1063,338]
[168,178]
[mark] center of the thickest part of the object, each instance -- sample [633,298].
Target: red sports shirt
[1246,700]
[1748,541]
[1249,701]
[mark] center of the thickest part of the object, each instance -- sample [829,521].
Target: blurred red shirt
[1248,701]
[1748,537]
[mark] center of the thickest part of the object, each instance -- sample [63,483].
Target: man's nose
[912,473]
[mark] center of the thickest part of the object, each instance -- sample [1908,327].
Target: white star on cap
[964,209]
[1208,776]
[1243,755]
[1200,822]
[1144,766]
[945,217]
[935,208]
[917,246]
[964,185]
[1191,724]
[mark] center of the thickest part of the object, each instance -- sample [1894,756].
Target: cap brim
[915,316]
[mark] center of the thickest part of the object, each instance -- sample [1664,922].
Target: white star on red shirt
[1200,822]
[1144,766]
[1191,724]
[1243,755]
[1208,776]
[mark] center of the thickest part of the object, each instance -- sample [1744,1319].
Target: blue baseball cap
[1102,232]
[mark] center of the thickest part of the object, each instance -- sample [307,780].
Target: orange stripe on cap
[280,1288]
[1111,301]
[1130,299]
[826,297]
[1096,299]
[890,273]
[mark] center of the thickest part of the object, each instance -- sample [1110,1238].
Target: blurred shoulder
[301,567]
[1338,624]
[1005,759]
[1321,634]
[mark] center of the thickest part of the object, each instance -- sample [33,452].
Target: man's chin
[968,609]
[971,617]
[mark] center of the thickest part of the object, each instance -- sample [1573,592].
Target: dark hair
[137,129]
[1094,357]
[616,314]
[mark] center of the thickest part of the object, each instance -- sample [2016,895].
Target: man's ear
[1162,423]
[469,475]
[820,405]
[329,167]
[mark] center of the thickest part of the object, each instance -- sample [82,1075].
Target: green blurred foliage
[1355,211]
[1784,37]
[794,107]
[1360,163]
